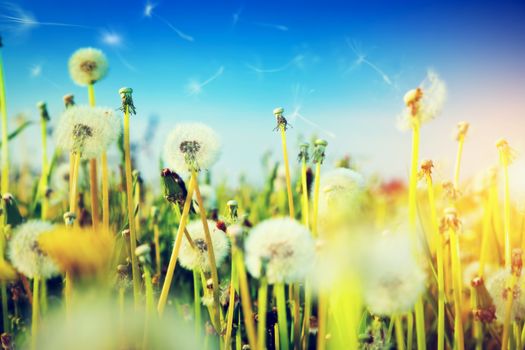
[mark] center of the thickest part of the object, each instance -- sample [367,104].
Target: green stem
[400,341]
[317,184]
[35,316]
[5,138]
[281,315]
[197,301]
[129,193]
[287,172]
[5,310]
[306,314]
[43,181]
[262,302]
[231,307]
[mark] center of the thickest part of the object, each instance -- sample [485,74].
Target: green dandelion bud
[43,111]
[69,100]
[174,188]
[143,252]
[233,210]
[127,100]
[303,152]
[281,120]
[13,216]
[319,151]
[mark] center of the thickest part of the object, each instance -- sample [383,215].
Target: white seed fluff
[88,130]
[191,258]
[286,247]
[24,253]
[340,193]
[191,145]
[87,66]
[392,278]
[500,291]
[434,95]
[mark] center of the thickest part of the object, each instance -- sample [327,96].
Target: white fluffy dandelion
[24,253]
[88,130]
[340,193]
[425,102]
[392,278]
[191,258]
[191,146]
[283,247]
[500,292]
[87,66]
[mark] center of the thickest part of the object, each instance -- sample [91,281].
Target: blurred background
[339,68]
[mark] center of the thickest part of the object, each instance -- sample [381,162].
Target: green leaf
[15,133]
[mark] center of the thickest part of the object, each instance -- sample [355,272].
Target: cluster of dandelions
[87,130]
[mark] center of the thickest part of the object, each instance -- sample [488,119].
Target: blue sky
[230,63]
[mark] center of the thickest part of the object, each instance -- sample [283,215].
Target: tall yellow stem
[317,185]
[131,220]
[5,138]
[176,248]
[306,203]
[457,283]
[246,303]
[35,318]
[506,215]
[105,191]
[93,171]
[461,142]
[211,253]
[287,171]
[43,181]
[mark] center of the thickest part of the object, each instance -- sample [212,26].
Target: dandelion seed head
[25,254]
[500,291]
[283,247]
[191,146]
[88,130]
[191,258]
[87,66]
[392,278]
[423,103]
[340,194]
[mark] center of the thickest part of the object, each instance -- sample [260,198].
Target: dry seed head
[426,167]
[506,154]
[87,66]
[462,129]
[69,100]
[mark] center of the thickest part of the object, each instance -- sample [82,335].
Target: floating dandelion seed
[87,66]
[197,258]
[111,38]
[36,71]
[25,254]
[295,61]
[148,12]
[392,278]
[195,87]
[362,59]
[423,103]
[280,27]
[88,130]
[283,248]
[191,146]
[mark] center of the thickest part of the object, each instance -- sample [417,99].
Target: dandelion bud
[12,213]
[232,210]
[282,123]
[319,150]
[174,187]
[303,152]
[451,192]
[69,218]
[426,168]
[506,153]
[125,233]
[122,269]
[69,100]
[517,262]
[450,221]
[221,225]
[142,252]
[127,100]
[44,115]
[462,130]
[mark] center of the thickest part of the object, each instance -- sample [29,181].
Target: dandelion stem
[400,341]
[197,301]
[306,314]
[156,235]
[322,315]
[317,185]
[457,286]
[176,248]
[5,310]
[281,315]
[35,318]
[438,244]
[296,297]
[461,142]
[43,181]
[94,192]
[508,312]
[287,172]
[306,203]
[131,220]
[506,217]
[211,253]
[262,302]
[237,257]
[231,307]
[5,138]
[105,191]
